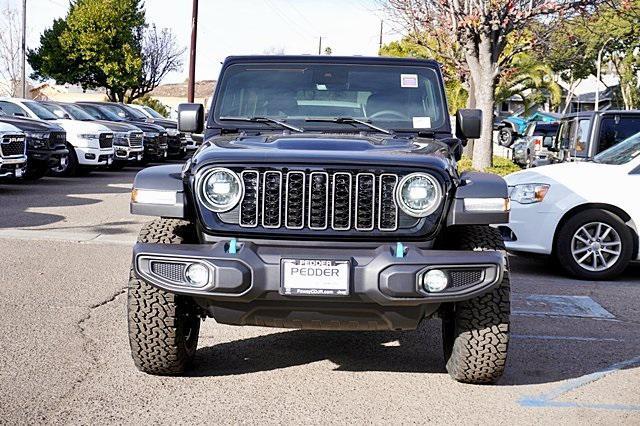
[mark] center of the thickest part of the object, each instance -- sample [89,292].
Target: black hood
[167,124]
[31,125]
[323,149]
[145,127]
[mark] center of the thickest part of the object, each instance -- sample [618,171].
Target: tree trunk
[483,147]
[484,70]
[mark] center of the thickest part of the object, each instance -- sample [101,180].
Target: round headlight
[220,190]
[419,194]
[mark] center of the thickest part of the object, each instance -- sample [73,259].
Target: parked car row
[61,139]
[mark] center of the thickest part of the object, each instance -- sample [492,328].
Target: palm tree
[530,80]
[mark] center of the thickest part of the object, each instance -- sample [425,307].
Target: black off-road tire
[562,249]
[476,331]
[163,327]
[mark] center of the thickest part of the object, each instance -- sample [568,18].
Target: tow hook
[233,246]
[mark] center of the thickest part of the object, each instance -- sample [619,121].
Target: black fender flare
[478,185]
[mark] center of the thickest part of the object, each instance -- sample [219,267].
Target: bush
[154,104]
[501,166]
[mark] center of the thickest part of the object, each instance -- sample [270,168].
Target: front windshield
[101,113]
[621,153]
[134,112]
[68,110]
[389,96]
[77,113]
[40,111]
[152,112]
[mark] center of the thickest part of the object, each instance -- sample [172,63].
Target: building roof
[204,89]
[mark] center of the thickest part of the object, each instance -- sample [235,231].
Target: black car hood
[31,125]
[145,127]
[167,124]
[338,149]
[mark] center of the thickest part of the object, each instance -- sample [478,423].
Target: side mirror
[468,124]
[191,118]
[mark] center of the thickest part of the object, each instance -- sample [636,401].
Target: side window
[615,129]
[12,109]
[582,138]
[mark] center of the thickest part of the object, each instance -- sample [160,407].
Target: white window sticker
[421,122]
[409,80]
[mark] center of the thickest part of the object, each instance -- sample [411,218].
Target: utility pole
[320,46]
[381,25]
[192,53]
[24,48]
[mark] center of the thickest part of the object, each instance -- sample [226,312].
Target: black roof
[590,114]
[356,60]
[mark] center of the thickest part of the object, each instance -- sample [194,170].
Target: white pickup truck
[92,143]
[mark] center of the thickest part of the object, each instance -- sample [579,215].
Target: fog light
[197,275]
[435,281]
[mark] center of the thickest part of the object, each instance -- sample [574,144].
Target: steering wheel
[388,112]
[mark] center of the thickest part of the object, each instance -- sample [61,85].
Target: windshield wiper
[349,120]
[263,120]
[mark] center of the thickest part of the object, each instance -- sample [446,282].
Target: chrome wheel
[596,246]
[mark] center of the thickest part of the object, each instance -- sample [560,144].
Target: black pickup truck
[46,145]
[325,196]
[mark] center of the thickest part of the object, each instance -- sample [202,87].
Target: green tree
[106,43]
[154,104]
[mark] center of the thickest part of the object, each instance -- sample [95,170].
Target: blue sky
[228,27]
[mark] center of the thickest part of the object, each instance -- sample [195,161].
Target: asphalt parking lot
[64,356]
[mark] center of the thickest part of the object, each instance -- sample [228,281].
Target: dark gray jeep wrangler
[324,197]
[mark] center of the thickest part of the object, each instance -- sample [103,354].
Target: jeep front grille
[12,146]
[318,200]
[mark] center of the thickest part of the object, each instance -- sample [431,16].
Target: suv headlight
[529,193]
[37,140]
[89,136]
[220,189]
[419,194]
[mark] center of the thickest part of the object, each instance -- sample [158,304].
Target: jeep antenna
[192,53]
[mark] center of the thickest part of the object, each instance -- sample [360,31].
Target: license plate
[109,161]
[313,277]
[165,154]
[139,157]
[19,173]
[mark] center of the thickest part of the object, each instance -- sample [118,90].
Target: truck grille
[341,201]
[56,139]
[135,139]
[106,140]
[12,145]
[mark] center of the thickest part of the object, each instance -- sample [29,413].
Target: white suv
[92,142]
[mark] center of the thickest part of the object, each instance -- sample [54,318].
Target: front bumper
[155,150]
[94,156]
[128,153]
[13,167]
[384,290]
[50,156]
